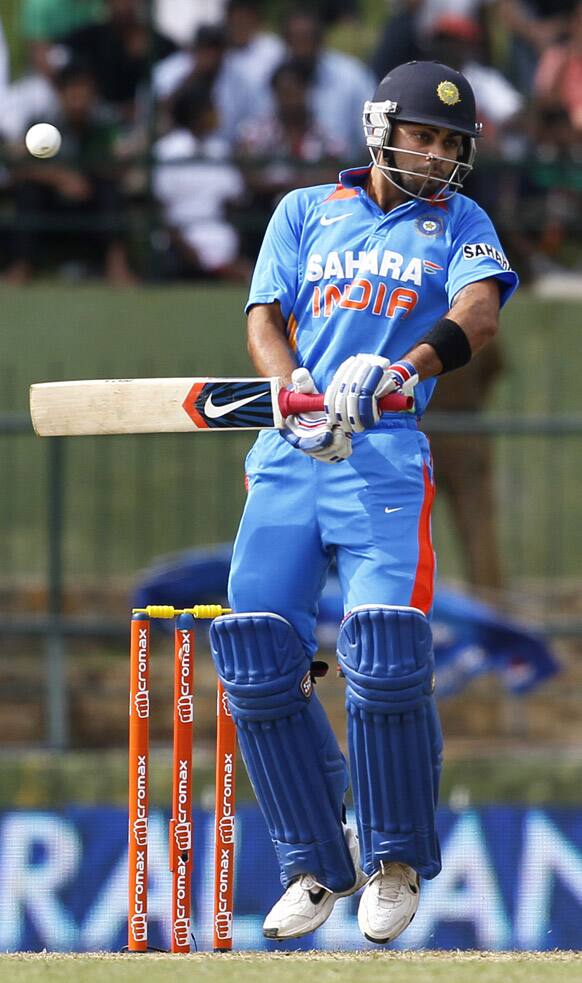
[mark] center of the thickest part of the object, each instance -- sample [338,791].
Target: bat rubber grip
[291,403]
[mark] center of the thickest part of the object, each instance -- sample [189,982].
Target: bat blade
[121,406]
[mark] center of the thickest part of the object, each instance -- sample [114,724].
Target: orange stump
[224,812]
[181,826]
[181,833]
[139,712]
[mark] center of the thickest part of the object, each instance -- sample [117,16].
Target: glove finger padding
[362,407]
[340,447]
[332,397]
[308,432]
[317,439]
[351,397]
[313,433]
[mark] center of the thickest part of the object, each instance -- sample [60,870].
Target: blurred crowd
[183,134]
[180,135]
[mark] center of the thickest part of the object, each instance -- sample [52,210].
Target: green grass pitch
[365,967]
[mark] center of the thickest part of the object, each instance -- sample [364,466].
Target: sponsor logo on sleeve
[484,250]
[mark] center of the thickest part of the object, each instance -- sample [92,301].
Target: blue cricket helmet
[429,93]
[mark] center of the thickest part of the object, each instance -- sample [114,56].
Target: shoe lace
[303,883]
[389,883]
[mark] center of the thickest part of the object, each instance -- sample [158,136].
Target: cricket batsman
[378,284]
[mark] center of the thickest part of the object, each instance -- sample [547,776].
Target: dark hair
[210,36]
[554,116]
[305,13]
[255,5]
[291,67]
[72,71]
[191,103]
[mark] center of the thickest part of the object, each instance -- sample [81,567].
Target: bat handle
[291,403]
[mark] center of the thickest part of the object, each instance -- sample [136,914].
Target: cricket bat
[116,406]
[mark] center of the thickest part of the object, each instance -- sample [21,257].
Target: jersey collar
[354,177]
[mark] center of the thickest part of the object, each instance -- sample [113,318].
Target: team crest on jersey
[430,225]
[448,93]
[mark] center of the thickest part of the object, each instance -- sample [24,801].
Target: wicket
[180,828]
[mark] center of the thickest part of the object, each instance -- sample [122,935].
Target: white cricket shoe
[307,904]
[389,902]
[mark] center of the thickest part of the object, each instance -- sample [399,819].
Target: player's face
[431,142]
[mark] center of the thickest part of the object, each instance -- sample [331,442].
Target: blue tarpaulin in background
[471,638]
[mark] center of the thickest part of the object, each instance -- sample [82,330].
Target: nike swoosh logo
[388,511]
[336,218]
[215,412]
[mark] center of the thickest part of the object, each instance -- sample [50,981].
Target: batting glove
[351,399]
[311,432]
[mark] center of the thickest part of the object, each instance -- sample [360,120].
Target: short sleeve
[276,273]
[476,254]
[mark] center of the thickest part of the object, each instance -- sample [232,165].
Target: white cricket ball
[43,140]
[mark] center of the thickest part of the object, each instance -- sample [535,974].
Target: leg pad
[290,751]
[394,734]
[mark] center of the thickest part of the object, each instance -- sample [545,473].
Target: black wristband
[450,343]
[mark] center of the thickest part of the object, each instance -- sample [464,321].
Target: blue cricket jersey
[352,278]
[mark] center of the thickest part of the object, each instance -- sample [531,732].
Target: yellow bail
[168,611]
